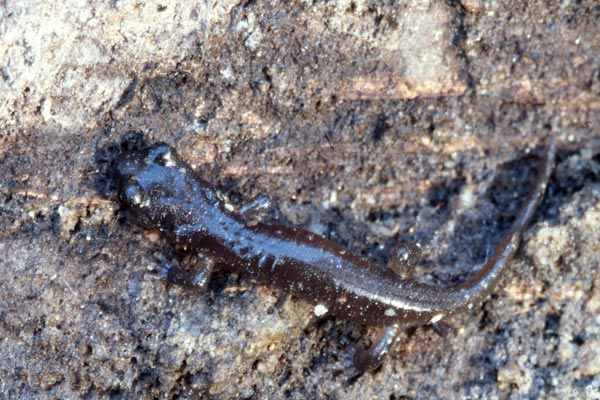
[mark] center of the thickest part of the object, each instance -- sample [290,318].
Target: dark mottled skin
[164,193]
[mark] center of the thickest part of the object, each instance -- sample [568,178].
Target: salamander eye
[161,155]
[133,195]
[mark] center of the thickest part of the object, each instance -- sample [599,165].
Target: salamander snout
[134,172]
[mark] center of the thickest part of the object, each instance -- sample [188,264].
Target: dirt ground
[369,122]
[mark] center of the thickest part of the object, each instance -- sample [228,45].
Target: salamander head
[154,184]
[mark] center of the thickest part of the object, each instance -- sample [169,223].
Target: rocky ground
[370,123]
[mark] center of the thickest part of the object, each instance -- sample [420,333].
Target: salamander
[164,193]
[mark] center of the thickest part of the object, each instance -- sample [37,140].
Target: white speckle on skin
[436,318]
[390,313]
[320,310]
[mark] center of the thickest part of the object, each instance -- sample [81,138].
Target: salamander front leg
[356,360]
[256,209]
[282,301]
[174,274]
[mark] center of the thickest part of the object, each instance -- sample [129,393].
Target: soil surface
[370,123]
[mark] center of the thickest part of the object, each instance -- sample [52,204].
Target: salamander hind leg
[356,359]
[256,209]
[442,328]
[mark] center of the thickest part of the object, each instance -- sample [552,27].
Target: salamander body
[165,194]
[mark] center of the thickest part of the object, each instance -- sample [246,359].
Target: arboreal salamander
[165,194]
